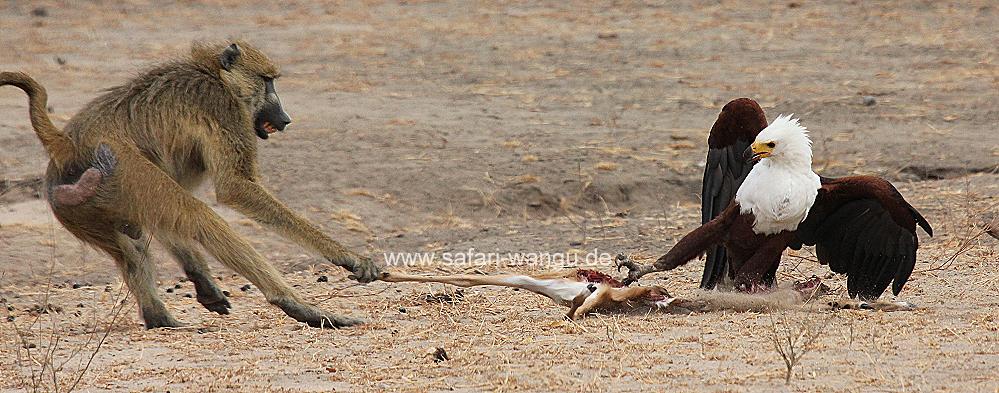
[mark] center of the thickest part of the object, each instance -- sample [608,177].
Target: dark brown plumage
[861,226]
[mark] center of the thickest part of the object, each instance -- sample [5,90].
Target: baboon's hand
[364,270]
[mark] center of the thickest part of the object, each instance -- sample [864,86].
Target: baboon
[122,170]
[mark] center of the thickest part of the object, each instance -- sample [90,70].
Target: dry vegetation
[552,127]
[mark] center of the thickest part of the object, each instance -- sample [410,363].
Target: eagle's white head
[783,142]
[781,187]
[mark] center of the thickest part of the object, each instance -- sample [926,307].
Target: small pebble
[322,279]
[77,285]
[188,295]
[80,305]
[575,243]
[10,318]
[870,101]
[245,288]
[10,308]
[402,310]
[169,290]
[177,286]
[226,293]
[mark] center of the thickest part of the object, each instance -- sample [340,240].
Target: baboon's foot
[873,306]
[216,303]
[209,294]
[314,316]
[362,268]
[162,320]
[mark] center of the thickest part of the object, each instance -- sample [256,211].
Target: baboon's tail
[57,144]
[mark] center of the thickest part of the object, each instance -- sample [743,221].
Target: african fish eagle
[724,171]
[860,226]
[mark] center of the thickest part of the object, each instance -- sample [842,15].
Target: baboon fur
[122,169]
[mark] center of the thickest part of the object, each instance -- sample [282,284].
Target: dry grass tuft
[512,144]
[606,166]
[350,221]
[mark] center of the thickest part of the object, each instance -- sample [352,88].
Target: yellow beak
[760,151]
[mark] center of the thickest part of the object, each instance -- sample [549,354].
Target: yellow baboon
[123,167]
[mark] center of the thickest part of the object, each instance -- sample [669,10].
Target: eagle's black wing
[862,227]
[737,126]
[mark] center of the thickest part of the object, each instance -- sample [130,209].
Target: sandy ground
[520,127]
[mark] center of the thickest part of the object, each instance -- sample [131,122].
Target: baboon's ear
[229,57]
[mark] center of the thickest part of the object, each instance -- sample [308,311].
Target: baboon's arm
[236,186]
[256,202]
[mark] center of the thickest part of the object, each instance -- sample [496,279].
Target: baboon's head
[250,75]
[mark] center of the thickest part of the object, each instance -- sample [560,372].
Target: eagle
[860,226]
[736,128]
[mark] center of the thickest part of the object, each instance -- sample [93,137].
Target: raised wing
[737,126]
[862,227]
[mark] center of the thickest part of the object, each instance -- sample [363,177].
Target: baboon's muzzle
[272,117]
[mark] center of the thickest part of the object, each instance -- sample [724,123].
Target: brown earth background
[425,126]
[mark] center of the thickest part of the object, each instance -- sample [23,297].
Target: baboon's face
[271,117]
[253,75]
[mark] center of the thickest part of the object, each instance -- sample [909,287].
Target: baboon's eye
[771,145]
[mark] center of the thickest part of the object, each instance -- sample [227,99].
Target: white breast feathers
[779,197]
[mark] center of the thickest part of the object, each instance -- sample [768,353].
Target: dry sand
[522,127]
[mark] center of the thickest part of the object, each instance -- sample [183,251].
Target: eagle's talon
[623,261]
[635,271]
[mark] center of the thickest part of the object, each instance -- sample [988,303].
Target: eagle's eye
[771,145]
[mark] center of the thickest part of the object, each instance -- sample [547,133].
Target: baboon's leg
[197,270]
[92,224]
[175,212]
[139,273]
[230,249]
